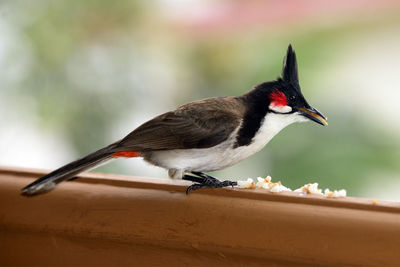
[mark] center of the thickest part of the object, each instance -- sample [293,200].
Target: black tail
[49,181]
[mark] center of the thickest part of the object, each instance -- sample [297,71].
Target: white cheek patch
[280,109]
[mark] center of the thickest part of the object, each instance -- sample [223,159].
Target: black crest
[289,70]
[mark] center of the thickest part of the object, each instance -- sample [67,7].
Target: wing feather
[199,124]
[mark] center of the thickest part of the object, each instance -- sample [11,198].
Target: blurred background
[78,75]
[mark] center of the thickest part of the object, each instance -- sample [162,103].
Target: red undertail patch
[125,154]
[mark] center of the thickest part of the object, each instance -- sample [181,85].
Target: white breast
[223,155]
[272,124]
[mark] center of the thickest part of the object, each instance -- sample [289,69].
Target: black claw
[195,187]
[205,181]
[188,190]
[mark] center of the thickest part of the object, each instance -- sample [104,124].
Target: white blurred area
[366,79]
[22,142]
[349,61]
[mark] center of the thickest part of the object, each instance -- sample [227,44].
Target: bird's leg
[192,178]
[203,180]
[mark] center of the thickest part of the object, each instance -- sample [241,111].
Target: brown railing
[112,220]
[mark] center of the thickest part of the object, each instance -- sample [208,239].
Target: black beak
[314,115]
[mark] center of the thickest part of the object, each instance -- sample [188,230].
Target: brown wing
[199,124]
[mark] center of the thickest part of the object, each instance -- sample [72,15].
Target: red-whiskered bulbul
[204,135]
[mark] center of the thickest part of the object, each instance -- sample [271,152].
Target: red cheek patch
[277,98]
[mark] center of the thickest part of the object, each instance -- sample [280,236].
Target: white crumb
[335,193]
[263,182]
[278,187]
[248,184]
[309,189]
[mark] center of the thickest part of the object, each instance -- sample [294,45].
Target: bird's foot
[203,180]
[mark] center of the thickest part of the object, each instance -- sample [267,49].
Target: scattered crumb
[278,187]
[335,193]
[266,183]
[309,189]
[374,202]
[248,184]
[312,188]
[263,182]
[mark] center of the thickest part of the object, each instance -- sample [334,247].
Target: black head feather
[289,70]
[287,84]
[258,99]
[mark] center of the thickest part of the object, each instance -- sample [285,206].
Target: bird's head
[285,95]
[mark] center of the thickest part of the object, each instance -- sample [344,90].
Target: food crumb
[374,202]
[335,193]
[248,184]
[266,183]
[263,182]
[311,188]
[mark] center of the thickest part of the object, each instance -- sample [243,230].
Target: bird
[204,135]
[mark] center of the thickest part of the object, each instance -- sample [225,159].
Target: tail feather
[49,181]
